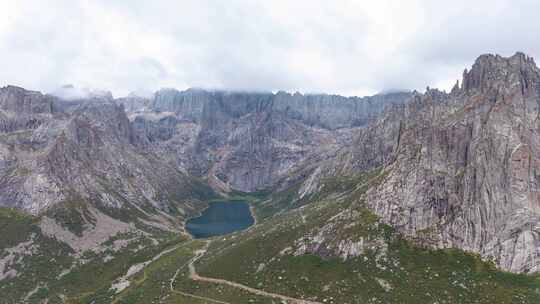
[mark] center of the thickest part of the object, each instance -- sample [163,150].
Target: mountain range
[400,197]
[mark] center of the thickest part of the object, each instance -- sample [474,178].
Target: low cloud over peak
[344,47]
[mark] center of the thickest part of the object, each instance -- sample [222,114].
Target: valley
[215,271]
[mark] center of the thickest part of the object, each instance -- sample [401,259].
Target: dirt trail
[196,277]
[185,294]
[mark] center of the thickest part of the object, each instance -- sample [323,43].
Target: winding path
[190,262]
[196,277]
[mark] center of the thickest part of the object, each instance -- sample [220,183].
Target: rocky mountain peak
[496,74]
[70,92]
[466,164]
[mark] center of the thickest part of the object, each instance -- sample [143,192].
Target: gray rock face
[54,151]
[464,167]
[20,101]
[325,111]
[249,141]
[21,109]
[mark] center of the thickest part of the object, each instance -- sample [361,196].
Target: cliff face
[250,141]
[325,111]
[21,109]
[20,101]
[464,169]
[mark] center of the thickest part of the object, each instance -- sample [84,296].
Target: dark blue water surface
[220,218]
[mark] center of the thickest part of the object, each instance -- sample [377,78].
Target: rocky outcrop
[20,101]
[464,167]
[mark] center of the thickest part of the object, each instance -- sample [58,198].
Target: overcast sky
[344,47]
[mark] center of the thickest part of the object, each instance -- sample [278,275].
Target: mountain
[461,167]
[466,165]
[55,151]
[84,185]
[96,177]
[381,221]
[250,141]
[395,198]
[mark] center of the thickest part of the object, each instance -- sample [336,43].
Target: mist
[342,47]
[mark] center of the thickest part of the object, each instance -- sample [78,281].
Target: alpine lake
[221,218]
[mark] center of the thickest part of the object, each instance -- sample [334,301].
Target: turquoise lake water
[220,218]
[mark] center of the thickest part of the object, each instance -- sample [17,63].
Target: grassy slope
[16,227]
[92,280]
[50,258]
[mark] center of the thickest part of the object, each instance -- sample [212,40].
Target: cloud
[70,92]
[345,47]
